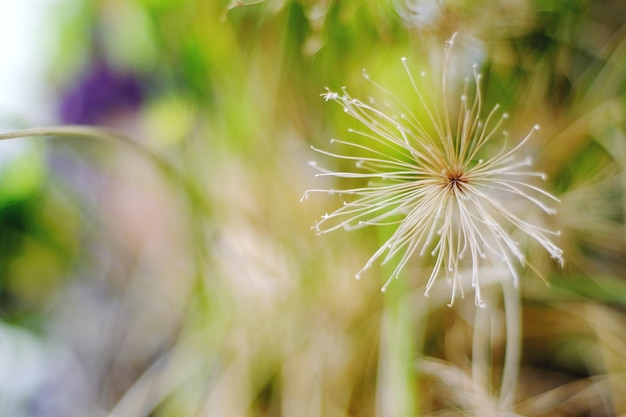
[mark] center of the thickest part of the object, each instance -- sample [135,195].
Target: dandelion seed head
[434,171]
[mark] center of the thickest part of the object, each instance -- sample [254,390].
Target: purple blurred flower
[101,93]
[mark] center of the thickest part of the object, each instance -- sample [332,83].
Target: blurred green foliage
[201,290]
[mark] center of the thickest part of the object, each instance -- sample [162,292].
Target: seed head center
[456,180]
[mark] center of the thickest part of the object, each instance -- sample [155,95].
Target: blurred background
[182,277]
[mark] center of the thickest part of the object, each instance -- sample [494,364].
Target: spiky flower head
[428,178]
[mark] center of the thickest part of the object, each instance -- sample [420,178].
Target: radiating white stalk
[430,177]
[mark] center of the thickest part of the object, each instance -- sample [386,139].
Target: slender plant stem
[481,351]
[91,132]
[512,355]
[198,207]
[108,134]
[396,383]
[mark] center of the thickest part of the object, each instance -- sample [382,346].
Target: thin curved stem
[93,132]
[100,133]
